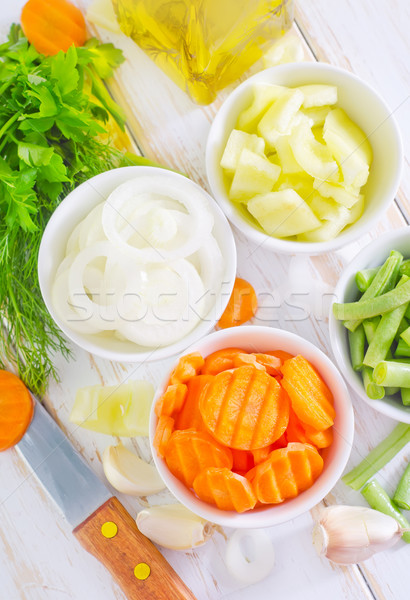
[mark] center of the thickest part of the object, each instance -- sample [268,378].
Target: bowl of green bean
[370,324]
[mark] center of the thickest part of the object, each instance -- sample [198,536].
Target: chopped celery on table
[402,494]
[392,373]
[378,499]
[378,457]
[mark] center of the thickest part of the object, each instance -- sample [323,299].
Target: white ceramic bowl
[372,255]
[254,338]
[74,208]
[363,105]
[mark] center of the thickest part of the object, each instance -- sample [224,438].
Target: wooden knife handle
[127,549]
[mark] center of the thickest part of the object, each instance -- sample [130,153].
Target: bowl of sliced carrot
[252,427]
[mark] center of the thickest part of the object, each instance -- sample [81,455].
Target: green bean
[370,326]
[402,349]
[405,267]
[378,457]
[405,396]
[402,494]
[384,281]
[405,335]
[385,332]
[356,344]
[358,311]
[374,391]
[391,373]
[378,499]
[364,278]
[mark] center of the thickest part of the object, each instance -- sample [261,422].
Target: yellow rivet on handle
[109,529]
[142,571]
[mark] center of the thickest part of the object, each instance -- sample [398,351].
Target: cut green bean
[370,326]
[405,396]
[402,349]
[405,267]
[374,391]
[402,494]
[385,332]
[358,311]
[378,499]
[384,281]
[405,335]
[356,345]
[390,391]
[392,373]
[365,277]
[402,327]
[378,457]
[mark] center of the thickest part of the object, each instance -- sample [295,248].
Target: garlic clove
[350,534]
[129,474]
[174,526]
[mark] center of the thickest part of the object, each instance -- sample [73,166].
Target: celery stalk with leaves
[53,116]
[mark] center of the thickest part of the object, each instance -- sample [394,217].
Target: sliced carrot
[320,439]
[221,360]
[310,397]
[242,359]
[242,460]
[245,408]
[190,417]
[262,454]
[295,431]
[163,432]
[189,452]
[286,473]
[270,362]
[53,25]
[16,409]
[188,366]
[227,490]
[281,354]
[172,400]
[241,307]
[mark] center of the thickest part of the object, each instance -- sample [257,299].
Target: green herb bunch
[52,112]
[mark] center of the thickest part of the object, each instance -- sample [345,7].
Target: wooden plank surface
[39,558]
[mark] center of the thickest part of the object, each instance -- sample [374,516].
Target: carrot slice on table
[163,432]
[242,305]
[286,473]
[188,366]
[242,460]
[53,25]
[310,397]
[221,360]
[227,490]
[172,400]
[190,417]
[16,409]
[189,452]
[245,408]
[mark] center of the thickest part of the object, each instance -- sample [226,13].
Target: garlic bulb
[174,526]
[129,474]
[350,534]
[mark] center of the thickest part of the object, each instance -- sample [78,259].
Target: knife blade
[88,505]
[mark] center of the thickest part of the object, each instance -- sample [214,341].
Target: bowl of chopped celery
[370,324]
[304,158]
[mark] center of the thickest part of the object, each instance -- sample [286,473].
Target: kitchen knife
[100,522]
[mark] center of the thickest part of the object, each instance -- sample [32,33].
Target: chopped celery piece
[405,267]
[370,326]
[405,396]
[389,372]
[356,345]
[378,499]
[373,391]
[402,349]
[402,327]
[402,494]
[378,457]
[365,277]
[121,410]
[405,335]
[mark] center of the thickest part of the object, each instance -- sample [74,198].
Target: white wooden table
[39,558]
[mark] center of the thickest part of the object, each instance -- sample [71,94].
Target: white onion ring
[211,268]
[61,303]
[91,230]
[153,331]
[136,192]
[260,562]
